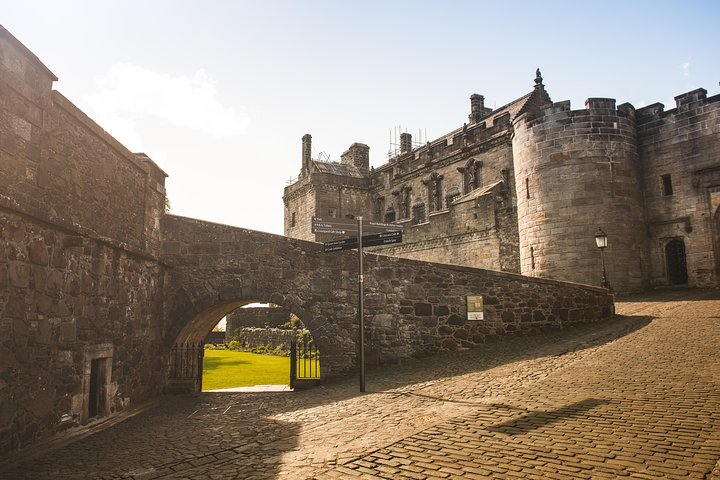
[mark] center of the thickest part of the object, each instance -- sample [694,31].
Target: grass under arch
[228,369]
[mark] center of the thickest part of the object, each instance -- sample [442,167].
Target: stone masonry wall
[683,143]
[80,284]
[412,308]
[66,299]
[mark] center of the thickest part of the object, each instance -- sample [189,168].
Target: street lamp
[601,242]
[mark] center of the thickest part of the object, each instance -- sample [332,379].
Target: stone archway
[676,262]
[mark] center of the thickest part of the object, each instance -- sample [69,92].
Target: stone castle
[106,298]
[525,187]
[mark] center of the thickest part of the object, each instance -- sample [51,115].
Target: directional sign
[338,226]
[348,226]
[337,245]
[377,227]
[368,241]
[382,239]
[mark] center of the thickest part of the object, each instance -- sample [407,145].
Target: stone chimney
[306,151]
[358,155]
[405,142]
[477,108]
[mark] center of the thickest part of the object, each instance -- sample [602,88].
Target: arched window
[390,215]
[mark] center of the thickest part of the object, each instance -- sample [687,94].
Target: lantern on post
[601,240]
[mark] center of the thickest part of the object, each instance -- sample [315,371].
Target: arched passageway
[412,308]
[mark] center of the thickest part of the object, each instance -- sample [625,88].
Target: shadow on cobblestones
[534,420]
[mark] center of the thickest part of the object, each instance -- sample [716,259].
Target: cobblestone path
[637,397]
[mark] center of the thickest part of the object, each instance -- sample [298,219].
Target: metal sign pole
[361,302]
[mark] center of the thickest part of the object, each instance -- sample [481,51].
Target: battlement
[600,103]
[468,136]
[685,103]
[687,100]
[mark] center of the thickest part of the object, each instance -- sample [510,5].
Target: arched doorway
[676,262]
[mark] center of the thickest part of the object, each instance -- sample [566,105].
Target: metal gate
[186,367]
[304,360]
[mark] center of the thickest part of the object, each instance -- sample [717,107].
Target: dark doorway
[96,400]
[676,262]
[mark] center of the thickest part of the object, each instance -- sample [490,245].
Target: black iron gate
[304,360]
[186,366]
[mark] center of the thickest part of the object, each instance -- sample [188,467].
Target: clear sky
[219,93]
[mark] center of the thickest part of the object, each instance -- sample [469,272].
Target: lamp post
[601,242]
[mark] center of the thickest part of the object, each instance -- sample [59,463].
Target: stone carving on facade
[434,186]
[379,204]
[403,195]
[471,174]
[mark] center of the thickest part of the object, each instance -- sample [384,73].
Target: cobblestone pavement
[637,397]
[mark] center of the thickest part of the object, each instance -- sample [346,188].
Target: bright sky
[220,92]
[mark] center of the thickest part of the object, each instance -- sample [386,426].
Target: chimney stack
[306,151]
[477,107]
[358,155]
[405,142]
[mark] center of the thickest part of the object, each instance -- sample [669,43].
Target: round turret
[575,172]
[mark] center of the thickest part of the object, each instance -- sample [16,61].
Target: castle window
[532,258]
[292,219]
[418,213]
[390,215]
[667,187]
[332,213]
[527,187]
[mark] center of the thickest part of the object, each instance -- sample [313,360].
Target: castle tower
[576,171]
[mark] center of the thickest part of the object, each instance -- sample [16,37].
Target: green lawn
[228,369]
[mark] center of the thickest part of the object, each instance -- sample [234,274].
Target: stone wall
[413,308]
[684,144]
[67,299]
[80,283]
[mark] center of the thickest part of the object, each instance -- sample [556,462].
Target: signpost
[383,234]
